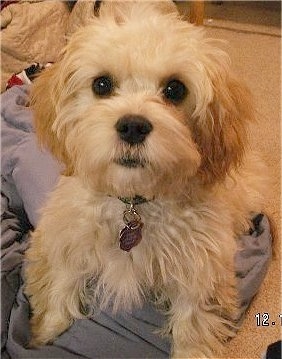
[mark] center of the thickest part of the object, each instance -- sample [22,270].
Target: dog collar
[135,200]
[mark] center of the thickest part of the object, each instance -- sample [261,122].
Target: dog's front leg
[54,293]
[197,330]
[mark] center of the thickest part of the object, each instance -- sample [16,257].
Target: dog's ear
[222,136]
[44,95]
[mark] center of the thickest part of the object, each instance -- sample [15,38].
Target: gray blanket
[28,175]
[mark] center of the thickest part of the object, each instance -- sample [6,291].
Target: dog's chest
[168,233]
[174,246]
[151,225]
[126,276]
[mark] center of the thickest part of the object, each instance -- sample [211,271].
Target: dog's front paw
[46,330]
[191,353]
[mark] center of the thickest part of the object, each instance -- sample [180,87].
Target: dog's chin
[128,177]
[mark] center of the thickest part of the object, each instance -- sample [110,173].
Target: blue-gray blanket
[28,175]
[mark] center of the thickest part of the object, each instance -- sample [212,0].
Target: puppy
[153,130]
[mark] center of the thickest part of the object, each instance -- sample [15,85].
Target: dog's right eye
[103,86]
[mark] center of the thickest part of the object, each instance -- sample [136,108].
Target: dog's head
[141,103]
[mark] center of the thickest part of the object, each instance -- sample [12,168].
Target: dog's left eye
[175,91]
[103,86]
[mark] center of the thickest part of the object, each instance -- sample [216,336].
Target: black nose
[133,129]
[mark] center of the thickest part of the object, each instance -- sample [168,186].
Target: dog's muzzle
[130,162]
[133,129]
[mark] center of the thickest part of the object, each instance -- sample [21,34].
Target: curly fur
[200,177]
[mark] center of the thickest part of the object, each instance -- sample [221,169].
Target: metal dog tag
[131,234]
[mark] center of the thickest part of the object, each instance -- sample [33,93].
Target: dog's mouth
[130,162]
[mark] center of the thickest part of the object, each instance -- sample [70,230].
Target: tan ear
[223,136]
[43,102]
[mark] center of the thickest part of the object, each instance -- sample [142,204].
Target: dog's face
[142,104]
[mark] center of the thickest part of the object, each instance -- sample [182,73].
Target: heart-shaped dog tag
[130,235]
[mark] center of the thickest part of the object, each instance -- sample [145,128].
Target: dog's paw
[191,353]
[36,342]
[46,331]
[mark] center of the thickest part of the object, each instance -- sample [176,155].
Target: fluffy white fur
[199,177]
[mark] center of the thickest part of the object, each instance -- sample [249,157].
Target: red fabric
[14,80]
